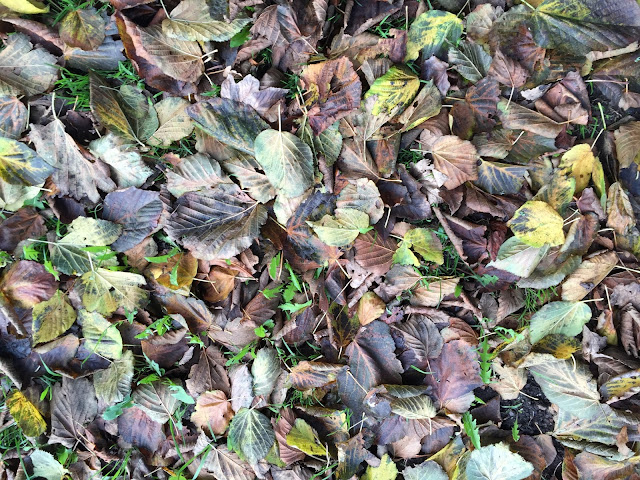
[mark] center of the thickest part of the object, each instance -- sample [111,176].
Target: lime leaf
[496,462]
[341,229]
[430,31]
[394,90]
[26,414]
[536,224]
[52,318]
[286,160]
[100,336]
[567,318]
[251,434]
[305,439]
[426,243]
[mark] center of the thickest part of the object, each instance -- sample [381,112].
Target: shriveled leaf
[566,318]
[251,434]
[430,31]
[218,224]
[104,291]
[52,318]
[495,462]
[26,414]
[537,224]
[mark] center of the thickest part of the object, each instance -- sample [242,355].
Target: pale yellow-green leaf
[426,243]
[519,258]
[52,318]
[129,170]
[92,231]
[394,90]
[430,31]
[578,163]
[566,318]
[404,256]
[497,462]
[26,414]
[114,384]
[28,7]
[387,470]
[192,20]
[342,228]
[175,123]
[305,439]
[536,224]
[104,291]
[46,466]
[19,165]
[100,336]
[418,407]
[286,160]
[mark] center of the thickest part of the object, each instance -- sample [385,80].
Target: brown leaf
[630,330]
[370,307]
[212,412]
[27,283]
[222,280]
[455,373]
[507,71]
[455,158]
[209,374]
[23,224]
[288,454]
[374,253]
[333,90]
[306,375]
[418,339]
[137,429]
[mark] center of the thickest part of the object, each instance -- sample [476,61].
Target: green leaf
[404,256]
[192,20]
[518,258]
[92,231]
[305,439]
[497,462]
[416,407]
[114,384]
[100,336]
[251,434]
[265,371]
[426,243]
[104,291]
[566,318]
[536,224]
[387,470]
[174,122]
[470,60]
[45,466]
[471,429]
[19,165]
[52,318]
[342,228]
[429,32]
[394,90]
[286,160]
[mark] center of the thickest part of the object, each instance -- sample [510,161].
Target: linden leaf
[342,228]
[567,318]
[429,32]
[251,434]
[26,414]
[393,91]
[52,318]
[286,160]
[104,291]
[536,224]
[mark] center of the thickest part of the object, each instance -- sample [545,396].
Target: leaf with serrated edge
[52,318]
[251,433]
[114,384]
[497,462]
[341,229]
[46,466]
[567,318]
[104,291]
[175,123]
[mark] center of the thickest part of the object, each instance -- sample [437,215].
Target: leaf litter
[325,239]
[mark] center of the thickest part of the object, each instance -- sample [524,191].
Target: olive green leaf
[245,169]
[536,224]
[52,318]
[305,439]
[92,231]
[114,384]
[495,462]
[286,160]
[25,70]
[342,228]
[104,291]
[470,60]
[393,91]
[29,7]
[100,336]
[500,178]
[26,414]
[429,32]
[426,243]
[83,28]
[19,165]
[328,143]
[567,318]
[192,20]
[251,434]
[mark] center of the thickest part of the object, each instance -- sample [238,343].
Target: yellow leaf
[394,90]
[387,470]
[305,439]
[588,275]
[25,6]
[52,318]
[559,345]
[578,163]
[430,31]
[536,224]
[177,272]
[26,415]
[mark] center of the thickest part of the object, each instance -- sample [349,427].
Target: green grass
[408,157]
[383,29]
[60,8]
